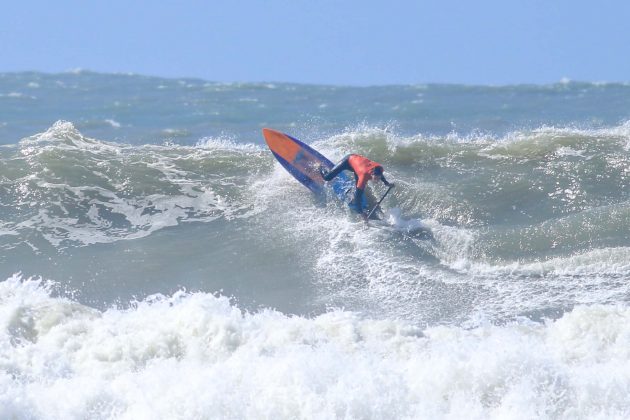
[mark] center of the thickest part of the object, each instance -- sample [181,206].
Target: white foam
[176,132]
[488,145]
[62,135]
[197,356]
[222,143]
[596,262]
[113,123]
[6,228]
[16,95]
[78,214]
[191,204]
[567,151]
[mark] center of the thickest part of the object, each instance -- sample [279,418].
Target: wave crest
[268,364]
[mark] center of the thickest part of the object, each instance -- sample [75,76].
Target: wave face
[142,252]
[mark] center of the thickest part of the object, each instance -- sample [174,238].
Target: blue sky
[347,42]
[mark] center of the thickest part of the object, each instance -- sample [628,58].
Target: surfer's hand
[323,172]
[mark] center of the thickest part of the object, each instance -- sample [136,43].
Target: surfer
[363,169]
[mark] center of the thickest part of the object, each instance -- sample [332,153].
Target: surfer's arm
[343,165]
[387,184]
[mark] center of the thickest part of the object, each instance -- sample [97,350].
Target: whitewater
[157,262]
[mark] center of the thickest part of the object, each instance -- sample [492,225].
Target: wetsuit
[363,169]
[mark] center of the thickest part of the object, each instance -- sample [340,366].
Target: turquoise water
[159,262]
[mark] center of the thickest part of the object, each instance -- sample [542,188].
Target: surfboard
[303,162]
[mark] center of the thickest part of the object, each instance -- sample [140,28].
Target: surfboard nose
[273,138]
[269,131]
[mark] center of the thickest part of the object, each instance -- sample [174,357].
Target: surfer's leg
[357,203]
[343,165]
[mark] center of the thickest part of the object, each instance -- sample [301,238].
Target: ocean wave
[472,179]
[75,190]
[384,142]
[122,363]
[492,222]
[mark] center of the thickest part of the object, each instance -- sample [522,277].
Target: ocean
[157,262]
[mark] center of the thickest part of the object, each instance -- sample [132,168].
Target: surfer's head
[377,172]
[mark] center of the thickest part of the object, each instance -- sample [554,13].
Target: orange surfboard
[299,159]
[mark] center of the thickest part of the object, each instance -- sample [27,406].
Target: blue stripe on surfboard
[327,163]
[341,183]
[305,180]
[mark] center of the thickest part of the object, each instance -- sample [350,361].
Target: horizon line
[79,71]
